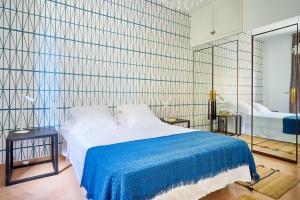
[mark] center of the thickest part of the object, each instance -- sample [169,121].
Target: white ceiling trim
[185,5]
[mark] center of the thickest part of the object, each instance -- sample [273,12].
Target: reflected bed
[268,125]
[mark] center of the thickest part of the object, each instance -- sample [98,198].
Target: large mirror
[225,79]
[202,85]
[273,123]
[216,87]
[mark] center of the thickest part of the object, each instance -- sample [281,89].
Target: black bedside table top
[231,115]
[33,133]
[176,121]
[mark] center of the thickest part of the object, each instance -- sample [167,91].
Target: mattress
[79,143]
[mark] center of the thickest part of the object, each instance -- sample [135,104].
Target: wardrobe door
[226,18]
[202,26]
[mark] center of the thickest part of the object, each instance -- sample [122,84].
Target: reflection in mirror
[275,113]
[202,79]
[215,69]
[226,86]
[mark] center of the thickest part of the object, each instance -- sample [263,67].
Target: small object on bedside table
[225,113]
[45,132]
[176,121]
[171,119]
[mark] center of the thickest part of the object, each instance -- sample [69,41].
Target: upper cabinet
[202,26]
[226,18]
[219,19]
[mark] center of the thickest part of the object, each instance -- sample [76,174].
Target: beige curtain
[294,75]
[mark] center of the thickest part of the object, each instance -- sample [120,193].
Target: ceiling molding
[186,5]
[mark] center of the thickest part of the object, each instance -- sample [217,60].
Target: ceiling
[186,5]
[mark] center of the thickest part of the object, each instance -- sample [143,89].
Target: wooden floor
[66,186]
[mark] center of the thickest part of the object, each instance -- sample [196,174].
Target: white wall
[277,71]
[259,13]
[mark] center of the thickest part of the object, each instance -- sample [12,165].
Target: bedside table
[32,134]
[177,121]
[224,119]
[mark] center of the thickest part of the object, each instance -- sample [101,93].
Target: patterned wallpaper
[86,52]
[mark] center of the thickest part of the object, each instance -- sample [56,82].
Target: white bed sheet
[79,143]
[266,125]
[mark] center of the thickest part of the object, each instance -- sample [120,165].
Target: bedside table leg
[218,119]
[226,128]
[56,154]
[240,125]
[52,150]
[11,157]
[7,164]
[236,125]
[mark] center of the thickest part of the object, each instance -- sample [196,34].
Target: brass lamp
[212,95]
[212,111]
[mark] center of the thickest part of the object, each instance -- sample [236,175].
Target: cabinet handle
[213,32]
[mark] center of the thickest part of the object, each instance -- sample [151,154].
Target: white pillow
[228,107]
[85,118]
[243,107]
[136,115]
[80,111]
[261,108]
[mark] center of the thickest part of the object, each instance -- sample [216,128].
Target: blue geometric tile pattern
[85,52]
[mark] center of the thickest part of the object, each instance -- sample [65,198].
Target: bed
[82,144]
[266,124]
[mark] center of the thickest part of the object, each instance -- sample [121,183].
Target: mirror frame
[252,94]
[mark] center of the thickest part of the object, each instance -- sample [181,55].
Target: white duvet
[267,125]
[79,143]
[76,145]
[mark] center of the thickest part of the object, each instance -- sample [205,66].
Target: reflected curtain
[294,74]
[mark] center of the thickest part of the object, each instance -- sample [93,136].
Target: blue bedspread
[291,125]
[141,169]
